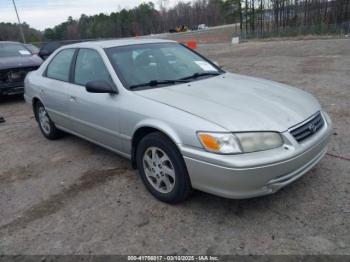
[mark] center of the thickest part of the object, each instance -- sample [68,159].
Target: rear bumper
[245,181]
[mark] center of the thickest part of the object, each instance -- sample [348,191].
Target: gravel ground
[72,197]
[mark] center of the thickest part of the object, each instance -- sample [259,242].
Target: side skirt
[95,142]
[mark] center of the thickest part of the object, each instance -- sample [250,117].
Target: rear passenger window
[90,66]
[60,65]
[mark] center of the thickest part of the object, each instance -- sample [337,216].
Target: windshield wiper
[196,75]
[159,82]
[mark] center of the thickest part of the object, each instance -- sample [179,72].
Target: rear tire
[47,127]
[162,169]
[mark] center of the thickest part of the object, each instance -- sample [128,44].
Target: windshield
[13,49]
[160,63]
[32,48]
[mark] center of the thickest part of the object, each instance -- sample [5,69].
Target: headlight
[222,143]
[229,143]
[259,141]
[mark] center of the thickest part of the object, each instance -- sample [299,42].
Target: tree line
[143,20]
[10,32]
[255,17]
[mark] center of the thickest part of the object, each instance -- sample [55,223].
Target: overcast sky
[42,14]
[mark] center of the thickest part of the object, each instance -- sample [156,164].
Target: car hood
[239,103]
[19,61]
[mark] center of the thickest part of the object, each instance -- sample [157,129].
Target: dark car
[48,49]
[16,60]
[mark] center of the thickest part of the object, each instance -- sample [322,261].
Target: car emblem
[312,128]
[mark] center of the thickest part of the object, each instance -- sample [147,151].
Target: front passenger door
[94,116]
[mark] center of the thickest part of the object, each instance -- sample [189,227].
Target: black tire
[182,186]
[53,132]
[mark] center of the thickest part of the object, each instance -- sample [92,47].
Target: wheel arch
[35,100]
[144,129]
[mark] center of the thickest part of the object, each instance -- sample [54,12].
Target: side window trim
[70,67]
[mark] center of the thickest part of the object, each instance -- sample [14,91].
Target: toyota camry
[184,122]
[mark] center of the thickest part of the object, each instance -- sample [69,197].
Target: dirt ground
[72,197]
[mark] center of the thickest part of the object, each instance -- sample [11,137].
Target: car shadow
[11,99]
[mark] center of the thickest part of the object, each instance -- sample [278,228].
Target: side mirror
[100,86]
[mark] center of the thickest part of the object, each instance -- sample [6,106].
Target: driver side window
[90,66]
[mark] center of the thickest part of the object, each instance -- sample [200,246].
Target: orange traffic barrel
[192,44]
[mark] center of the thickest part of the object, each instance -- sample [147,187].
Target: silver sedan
[183,122]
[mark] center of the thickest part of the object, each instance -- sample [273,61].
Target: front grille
[309,128]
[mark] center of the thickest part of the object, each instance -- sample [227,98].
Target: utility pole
[19,22]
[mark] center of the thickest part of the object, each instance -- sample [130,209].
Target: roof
[119,42]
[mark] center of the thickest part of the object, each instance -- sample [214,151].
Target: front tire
[47,127]
[162,169]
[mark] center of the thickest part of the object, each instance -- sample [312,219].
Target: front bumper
[16,88]
[255,174]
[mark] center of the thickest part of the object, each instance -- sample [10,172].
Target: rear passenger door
[95,116]
[55,84]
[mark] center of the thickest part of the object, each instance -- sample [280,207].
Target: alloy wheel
[44,120]
[159,170]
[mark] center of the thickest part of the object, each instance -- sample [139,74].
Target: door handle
[73,98]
